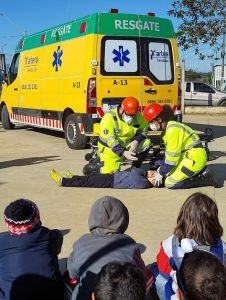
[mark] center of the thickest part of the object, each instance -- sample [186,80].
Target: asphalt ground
[27,155]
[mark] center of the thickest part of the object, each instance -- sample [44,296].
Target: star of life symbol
[57,58]
[121,56]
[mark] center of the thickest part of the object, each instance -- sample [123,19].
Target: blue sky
[17,16]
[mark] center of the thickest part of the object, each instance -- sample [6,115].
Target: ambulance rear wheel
[5,119]
[73,136]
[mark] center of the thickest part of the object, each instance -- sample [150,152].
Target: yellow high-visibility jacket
[117,134]
[178,138]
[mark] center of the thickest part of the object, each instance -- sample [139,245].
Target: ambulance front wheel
[73,136]
[5,118]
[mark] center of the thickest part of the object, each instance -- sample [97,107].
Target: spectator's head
[118,281]
[22,216]
[198,220]
[201,276]
[108,215]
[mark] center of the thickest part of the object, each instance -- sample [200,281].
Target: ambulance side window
[160,60]
[13,70]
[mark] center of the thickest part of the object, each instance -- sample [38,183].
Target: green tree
[203,23]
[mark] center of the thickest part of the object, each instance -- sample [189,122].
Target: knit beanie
[21,216]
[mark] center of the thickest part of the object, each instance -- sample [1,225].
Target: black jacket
[29,265]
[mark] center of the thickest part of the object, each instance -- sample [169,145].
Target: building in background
[217,79]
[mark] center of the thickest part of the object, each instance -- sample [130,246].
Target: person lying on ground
[134,179]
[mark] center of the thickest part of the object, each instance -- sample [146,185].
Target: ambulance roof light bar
[113,11]
[151,14]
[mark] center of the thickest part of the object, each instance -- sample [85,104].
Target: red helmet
[130,105]
[152,111]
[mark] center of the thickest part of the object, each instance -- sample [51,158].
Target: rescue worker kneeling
[185,158]
[121,135]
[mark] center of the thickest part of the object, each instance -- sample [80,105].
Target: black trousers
[92,181]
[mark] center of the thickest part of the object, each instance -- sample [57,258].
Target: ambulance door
[158,84]
[51,65]
[11,94]
[30,83]
[119,70]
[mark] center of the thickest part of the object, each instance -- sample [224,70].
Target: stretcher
[157,149]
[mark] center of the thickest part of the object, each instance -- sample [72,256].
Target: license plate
[108,106]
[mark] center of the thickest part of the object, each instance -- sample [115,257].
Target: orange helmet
[130,105]
[152,111]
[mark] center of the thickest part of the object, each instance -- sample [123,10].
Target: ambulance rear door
[119,70]
[119,55]
[159,84]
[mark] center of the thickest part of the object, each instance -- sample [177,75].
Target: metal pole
[182,86]
[223,54]
[213,76]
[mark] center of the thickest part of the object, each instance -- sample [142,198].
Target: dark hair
[120,281]
[167,113]
[198,220]
[202,276]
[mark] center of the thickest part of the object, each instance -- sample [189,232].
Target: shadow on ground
[216,154]
[65,231]
[219,170]
[46,131]
[27,161]
[49,132]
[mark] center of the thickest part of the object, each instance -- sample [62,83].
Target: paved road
[27,156]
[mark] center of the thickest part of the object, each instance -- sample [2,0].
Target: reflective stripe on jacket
[178,138]
[114,131]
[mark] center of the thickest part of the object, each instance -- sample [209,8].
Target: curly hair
[198,220]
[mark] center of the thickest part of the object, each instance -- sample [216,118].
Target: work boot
[205,178]
[56,177]
[69,174]
[209,177]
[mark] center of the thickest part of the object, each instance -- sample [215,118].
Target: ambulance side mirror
[2,76]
